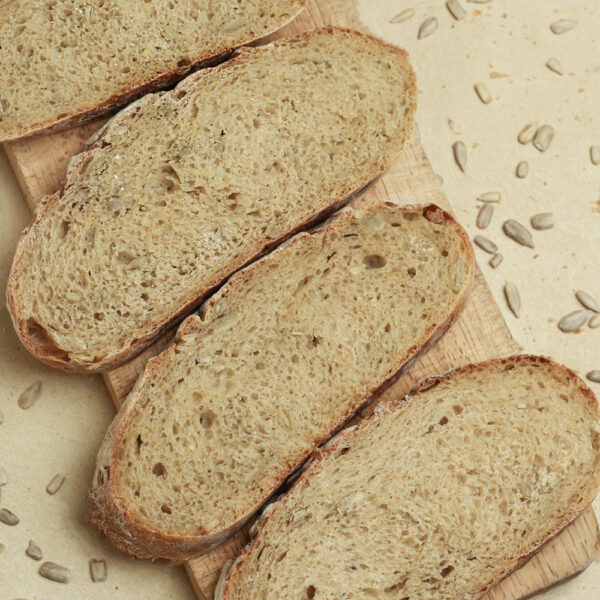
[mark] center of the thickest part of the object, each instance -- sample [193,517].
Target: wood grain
[40,165]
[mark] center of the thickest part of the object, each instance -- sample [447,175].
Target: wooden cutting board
[40,165]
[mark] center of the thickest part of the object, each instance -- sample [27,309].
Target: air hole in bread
[374,261]
[412,271]
[159,469]
[311,590]
[63,229]
[42,339]
[207,418]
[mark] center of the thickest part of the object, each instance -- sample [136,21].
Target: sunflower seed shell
[402,16]
[484,217]
[496,261]
[55,484]
[527,133]
[519,233]
[485,244]
[543,137]
[562,26]
[513,299]
[482,91]
[33,551]
[554,65]
[8,518]
[3,477]
[586,300]
[595,154]
[456,10]
[573,321]
[55,572]
[594,322]
[490,197]
[522,169]
[98,570]
[30,396]
[428,26]
[594,375]
[542,221]
[460,155]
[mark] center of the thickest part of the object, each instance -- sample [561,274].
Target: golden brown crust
[109,511]
[67,363]
[427,383]
[154,84]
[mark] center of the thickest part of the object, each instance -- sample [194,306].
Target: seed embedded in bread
[141,239]
[435,497]
[279,358]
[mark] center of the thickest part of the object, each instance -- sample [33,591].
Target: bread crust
[126,95]
[259,532]
[109,511]
[57,359]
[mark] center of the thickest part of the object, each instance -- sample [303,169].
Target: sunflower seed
[460,155]
[594,375]
[542,221]
[55,572]
[98,570]
[485,214]
[543,137]
[554,65]
[496,261]
[456,10]
[490,197]
[517,232]
[513,299]
[29,397]
[595,154]
[573,321]
[4,104]
[562,26]
[587,301]
[594,322]
[527,133]
[497,75]
[405,15]
[34,551]
[485,244]
[55,484]
[428,26]
[3,477]
[522,169]
[8,518]
[482,91]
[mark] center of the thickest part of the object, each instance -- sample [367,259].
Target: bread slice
[439,496]
[68,61]
[184,189]
[282,356]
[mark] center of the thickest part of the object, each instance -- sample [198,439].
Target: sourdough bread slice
[282,356]
[183,189]
[439,496]
[68,61]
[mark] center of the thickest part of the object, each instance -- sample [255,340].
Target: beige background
[61,433]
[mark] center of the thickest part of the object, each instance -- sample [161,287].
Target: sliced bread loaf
[63,62]
[439,496]
[286,352]
[183,189]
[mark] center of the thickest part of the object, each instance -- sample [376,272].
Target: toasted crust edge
[425,384]
[137,346]
[109,511]
[153,84]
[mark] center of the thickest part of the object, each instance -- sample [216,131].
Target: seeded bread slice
[282,356]
[439,496]
[65,62]
[183,189]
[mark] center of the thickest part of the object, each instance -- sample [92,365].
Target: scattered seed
[482,91]
[3,477]
[405,15]
[586,300]
[98,570]
[594,322]
[29,397]
[522,169]
[542,221]
[428,26]
[562,26]
[517,232]
[496,261]
[554,65]
[4,104]
[460,155]
[497,75]
[513,299]
[55,484]
[490,197]
[8,518]
[33,551]
[485,244]
[456,10]
[594,375]
[484,217]
[55,572]
[595,154]
[543,137]
[527,134]
[451,124]
[573,321]
[439,178]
